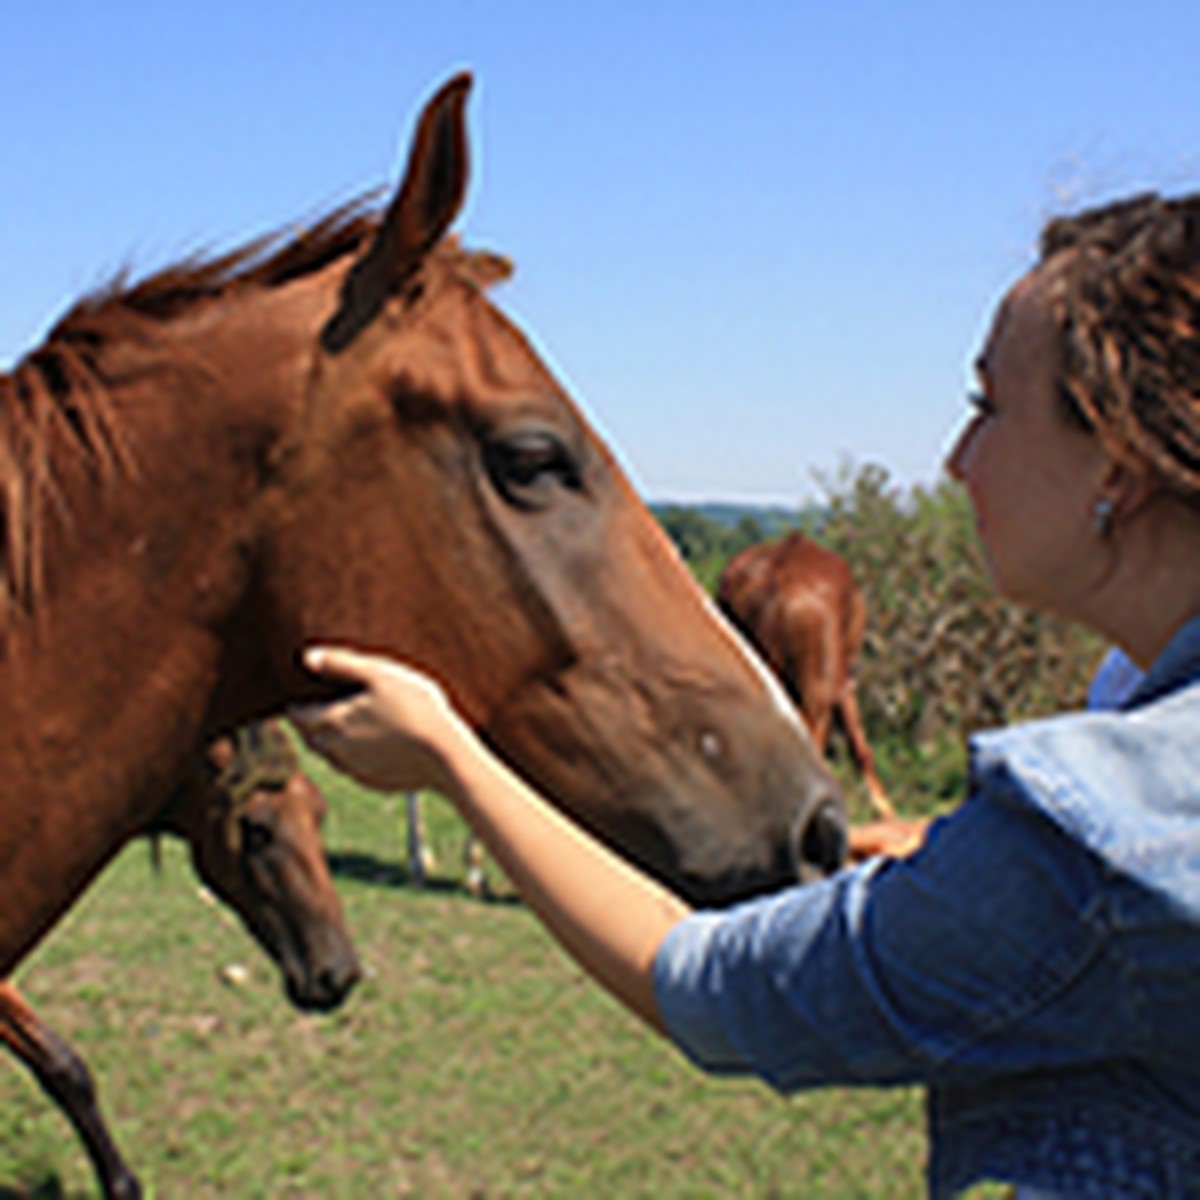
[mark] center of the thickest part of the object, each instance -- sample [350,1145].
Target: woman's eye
[527,467]
[981,404]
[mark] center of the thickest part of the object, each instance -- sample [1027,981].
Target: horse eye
[527,467]
[256,837]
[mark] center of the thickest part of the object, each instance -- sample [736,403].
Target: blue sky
[758,241]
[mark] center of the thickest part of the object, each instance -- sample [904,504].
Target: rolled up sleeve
[959,961]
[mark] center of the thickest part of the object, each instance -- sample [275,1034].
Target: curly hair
[1128,308]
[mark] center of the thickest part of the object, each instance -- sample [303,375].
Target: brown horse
[339,437]
[252,820]
[798,605]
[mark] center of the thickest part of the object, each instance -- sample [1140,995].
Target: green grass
[474,1061]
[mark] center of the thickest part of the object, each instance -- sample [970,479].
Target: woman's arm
[400,732]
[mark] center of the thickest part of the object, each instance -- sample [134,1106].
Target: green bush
[944,654]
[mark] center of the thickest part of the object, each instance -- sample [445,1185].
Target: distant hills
[771,518]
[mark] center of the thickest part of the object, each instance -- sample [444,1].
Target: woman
[1036,961]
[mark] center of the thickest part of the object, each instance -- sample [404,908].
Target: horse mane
[270,261]
[58,393]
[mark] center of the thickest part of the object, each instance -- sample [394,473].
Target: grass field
[473,1062]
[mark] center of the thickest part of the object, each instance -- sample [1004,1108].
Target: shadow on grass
[50,1188]
[366,868]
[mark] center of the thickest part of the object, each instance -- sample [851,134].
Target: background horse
[338,437]
[798,605]
[252,821]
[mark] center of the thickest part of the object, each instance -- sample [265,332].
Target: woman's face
[1032,476]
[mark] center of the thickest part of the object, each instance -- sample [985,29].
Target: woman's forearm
[609,916]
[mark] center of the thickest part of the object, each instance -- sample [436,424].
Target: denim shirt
[1036,964]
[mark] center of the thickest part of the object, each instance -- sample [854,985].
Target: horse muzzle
[325,988]
[821,840]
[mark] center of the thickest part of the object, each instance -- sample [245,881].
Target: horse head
[252,820]
[443,499]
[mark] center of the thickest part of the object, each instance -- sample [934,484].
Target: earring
[1102,516]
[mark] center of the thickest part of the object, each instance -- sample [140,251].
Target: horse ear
[427,201]
[435,181]
[482,267]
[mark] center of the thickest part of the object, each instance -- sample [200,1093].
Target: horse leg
[420,856]
[851,722]
[65,1078]
[473,859]
[848,712]
[809,676]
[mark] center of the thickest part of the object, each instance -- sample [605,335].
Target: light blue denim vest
[1037,964]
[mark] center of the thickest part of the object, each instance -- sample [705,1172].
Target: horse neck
[116,670]
[113,673]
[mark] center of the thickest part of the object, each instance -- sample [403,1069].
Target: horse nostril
[326,988]
[339,981]
[822,843]
[333,985]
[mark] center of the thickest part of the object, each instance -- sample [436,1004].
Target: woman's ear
[1128,484]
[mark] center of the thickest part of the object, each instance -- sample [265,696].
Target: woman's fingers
[895,837]
[391,733]
[340,662]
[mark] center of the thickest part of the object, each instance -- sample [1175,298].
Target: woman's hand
[893,838]
[394,734]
